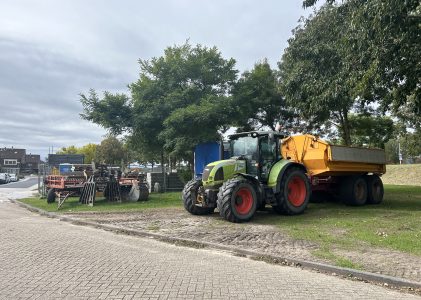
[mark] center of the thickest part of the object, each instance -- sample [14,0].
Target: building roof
[13,153]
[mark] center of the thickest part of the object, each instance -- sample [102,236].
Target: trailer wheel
[353,190]
[375,190]
[237,200]
[51,196]
[190,197]
[143,192]
[295,193]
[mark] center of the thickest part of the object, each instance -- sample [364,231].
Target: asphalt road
[21,184]
[48,259]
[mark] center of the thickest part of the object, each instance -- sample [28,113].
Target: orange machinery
[352,173]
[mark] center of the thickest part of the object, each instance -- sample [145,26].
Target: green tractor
[255,176]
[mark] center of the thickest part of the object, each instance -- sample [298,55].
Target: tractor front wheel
[295,193]
[237,200]
[192,197]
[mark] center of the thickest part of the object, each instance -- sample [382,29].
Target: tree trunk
[344,123]
[164,174]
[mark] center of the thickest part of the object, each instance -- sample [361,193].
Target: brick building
[14,160]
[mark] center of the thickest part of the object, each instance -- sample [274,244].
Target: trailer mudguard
[278,170]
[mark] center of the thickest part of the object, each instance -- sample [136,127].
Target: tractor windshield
[245,146]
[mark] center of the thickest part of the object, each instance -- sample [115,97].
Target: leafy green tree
[384,37]
[372,131]
[187,85]
[113,112]
[315,77]
[68,150]
[258,100]
[111,151]
[89,150]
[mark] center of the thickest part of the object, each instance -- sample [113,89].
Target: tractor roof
[257,133]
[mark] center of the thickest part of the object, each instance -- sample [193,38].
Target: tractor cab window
[268,156]
[246,147]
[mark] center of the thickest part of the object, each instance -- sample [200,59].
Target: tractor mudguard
[278,170]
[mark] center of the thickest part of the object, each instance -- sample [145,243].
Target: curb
[384,280]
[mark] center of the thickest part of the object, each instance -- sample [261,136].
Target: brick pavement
[42,258]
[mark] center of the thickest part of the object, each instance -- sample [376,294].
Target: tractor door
[268,150]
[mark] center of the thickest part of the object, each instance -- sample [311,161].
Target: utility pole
[399,153]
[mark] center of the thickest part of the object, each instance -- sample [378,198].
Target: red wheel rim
[297,191]
[243,201]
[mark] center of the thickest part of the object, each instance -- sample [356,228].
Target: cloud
[50,51]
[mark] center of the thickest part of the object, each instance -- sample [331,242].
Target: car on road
[13,177]
[4,178]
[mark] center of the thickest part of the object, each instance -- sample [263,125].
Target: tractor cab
[259,149]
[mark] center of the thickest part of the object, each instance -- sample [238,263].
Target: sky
[51,51]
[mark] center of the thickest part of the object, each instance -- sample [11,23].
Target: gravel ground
[267,239]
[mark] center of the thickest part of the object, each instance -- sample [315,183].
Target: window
[10,162]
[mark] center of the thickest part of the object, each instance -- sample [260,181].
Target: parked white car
[13,177]
[4,178]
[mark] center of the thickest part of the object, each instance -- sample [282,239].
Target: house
[11,159]
[16,161]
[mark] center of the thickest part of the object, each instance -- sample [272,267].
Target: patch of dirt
[265,239]
[385,261]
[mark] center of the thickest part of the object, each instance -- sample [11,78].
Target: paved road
[45,258]
[20,184]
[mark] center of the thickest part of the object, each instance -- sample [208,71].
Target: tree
[385,37]
[258,101]
[68,150]
[187,85]
[315,76]
[372,131]
[111,151]
[89,150]
[410,145]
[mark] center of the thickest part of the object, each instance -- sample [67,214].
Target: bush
[184,174]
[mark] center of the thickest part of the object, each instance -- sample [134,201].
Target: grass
[156,200]
[394,224]
[403,174]
[338,260]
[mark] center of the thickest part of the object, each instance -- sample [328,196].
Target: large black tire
[51,196]
[237,200]
[375,189]
[353,190]
[295,193]
[143,192]
[189,196]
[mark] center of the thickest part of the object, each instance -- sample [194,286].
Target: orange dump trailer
[349,173]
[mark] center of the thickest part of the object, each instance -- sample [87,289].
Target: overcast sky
[50,51]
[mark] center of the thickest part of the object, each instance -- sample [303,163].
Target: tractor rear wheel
[191,197]
[353,190]
[375,190]
[51,196]
[295,193]
[143,192]
[237,200]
